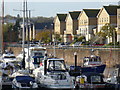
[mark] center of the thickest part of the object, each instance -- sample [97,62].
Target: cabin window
[36,60]
[56,65]
[95,79]
[38,54]
[86,59]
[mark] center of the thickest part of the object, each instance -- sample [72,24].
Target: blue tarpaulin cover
[24,79]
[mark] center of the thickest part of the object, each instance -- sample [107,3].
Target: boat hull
[79,69]
[97,69]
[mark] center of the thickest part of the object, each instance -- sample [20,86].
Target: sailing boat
[22,78]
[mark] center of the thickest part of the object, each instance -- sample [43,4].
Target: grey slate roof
[91,12]
[111,10]
[62,17]
[74,15]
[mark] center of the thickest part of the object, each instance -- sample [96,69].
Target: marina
[71,51]
[50,72]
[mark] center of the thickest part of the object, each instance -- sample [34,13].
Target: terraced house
[108,14]
[60,24]
[118,24]
[87,22]
[71,26]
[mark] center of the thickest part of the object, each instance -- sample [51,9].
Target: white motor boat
[8,58]
[32,60]
[24,82]
[52,74]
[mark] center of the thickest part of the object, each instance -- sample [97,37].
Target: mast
[2,28]
[23,36]
[27,36]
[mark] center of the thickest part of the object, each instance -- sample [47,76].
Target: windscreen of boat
[56,65]
[92,59]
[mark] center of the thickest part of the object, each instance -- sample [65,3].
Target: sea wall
[109,56]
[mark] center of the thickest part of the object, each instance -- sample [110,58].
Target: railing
[68,46]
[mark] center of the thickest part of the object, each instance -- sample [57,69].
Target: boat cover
[24,79]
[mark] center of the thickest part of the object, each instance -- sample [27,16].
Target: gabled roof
[74,15]
[111,10]
[62,17]
[91,12]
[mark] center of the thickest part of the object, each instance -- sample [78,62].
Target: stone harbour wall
[109,56]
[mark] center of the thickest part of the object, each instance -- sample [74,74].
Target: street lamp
[75,57]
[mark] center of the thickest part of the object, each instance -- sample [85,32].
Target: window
[95,79]
[56,65]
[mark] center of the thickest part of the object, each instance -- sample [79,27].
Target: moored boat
[90,64]
[33,55]
[52,74]
[24,82]
[90,80]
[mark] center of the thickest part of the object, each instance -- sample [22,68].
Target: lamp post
[75,69]
[75,57]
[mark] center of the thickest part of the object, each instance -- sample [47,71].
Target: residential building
[60,24]
[118,24]
[71,26]
[87,21]
[32,32]
[108,14]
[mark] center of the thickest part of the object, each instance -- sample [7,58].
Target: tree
[16,29]
[107,31]
[11,32]
[8,33]
[43,36]
[57,37]
[81,38]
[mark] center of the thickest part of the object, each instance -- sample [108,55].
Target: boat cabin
[36,54]
[54,64]
[92,60]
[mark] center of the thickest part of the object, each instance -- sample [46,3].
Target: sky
[49,8]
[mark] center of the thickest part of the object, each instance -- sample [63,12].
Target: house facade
[60,24]
[108,14]
[87,21]
[118,24]
[71,26]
